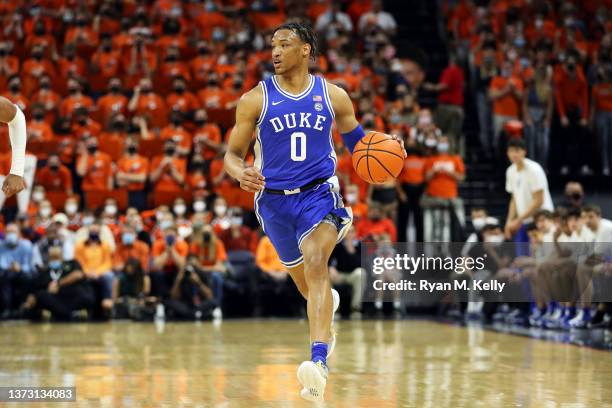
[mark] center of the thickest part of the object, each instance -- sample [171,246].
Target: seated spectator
[104,68]
[168,171]
[71,209]
[181,99]
[54,236]
[95,167]
[131,292]
[95,257]
[345,268]
[61,287]
[15,94]
[16,270]
[45,214]
[132,171]
[206,136]
[39,128]
[168,258]
[84,125]
[238,237]
[113,102]
[113,138]
[221,220]
[55,176]
[26,228]
[145,102]
[90,219]
[76,99]
[372,227]
[177,133]
[191,296]
[47,97]
[131,247]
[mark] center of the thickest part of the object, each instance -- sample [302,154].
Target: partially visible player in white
[14,117]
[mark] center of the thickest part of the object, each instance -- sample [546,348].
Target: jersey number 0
[301,136]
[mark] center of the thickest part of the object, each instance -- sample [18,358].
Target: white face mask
[45,211]
[431,142]
[478,223]
[180,209]
[220,210]
[38,196]
[495,239]
[236,221]
[351,198]
[88,220]
[110,210]
[71,208]
[184,231]
[443,147]
[199,206]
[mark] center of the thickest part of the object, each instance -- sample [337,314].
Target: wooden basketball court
[252,363]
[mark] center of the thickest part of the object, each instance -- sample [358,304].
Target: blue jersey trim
[292,96]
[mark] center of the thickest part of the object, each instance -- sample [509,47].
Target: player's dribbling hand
[12,185]
[251,180]
[401,142]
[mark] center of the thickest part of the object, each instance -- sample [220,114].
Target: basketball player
[13,116]
[297,198]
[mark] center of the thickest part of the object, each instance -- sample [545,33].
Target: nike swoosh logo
[277,102]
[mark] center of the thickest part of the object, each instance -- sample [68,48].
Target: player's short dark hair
[306,34]
[543,213]
[594,208]
[517,143]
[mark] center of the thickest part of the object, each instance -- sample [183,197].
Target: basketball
[378,158]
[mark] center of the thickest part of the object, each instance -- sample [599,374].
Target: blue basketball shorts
[288,219]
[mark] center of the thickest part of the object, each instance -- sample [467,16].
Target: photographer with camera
[191,296]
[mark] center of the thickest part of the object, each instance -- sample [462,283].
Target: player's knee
[315,264]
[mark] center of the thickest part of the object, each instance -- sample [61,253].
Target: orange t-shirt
[509,104]
[166,182]
[159,246]
[153,106]
[109,105]
[213,98]
[99,170]
[209,131]
[134,165]
[138,250]
[602,97]
[442,185]
[180,136]
[40,131]
[202,252]
[55,181]
[73,102]
[413,173]
[186,102]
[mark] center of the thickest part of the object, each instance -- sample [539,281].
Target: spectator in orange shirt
[38,129]
[176,132]
[14,94]
[145,102]
[140,61]
[443,172]
[602,113]
[9,65]
[34,68]
[95,168]
[47,97]
[212,96]
[70,65]
[181,99]
[375,225]
[351,194]
[168,257]
[201,65]
[130,247]
[132,171]
[95,257]
[84,125]
[105,64]
[84,37]
[207,136]
[506,91]
[410,188]
[41,37]
[113,102]
[169,171]
[55,176]
[76,99]
[171,67]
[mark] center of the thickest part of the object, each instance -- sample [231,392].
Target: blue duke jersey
[294,139]
[294,147]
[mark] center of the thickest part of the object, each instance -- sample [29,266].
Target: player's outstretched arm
[13,116]
[347,123]
[247,113]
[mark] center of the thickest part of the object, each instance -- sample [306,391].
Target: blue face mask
[55,265]
[128,238]
[12,238]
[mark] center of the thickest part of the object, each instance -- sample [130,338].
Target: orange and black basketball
[378,158]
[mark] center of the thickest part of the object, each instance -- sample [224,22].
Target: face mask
[539,23]
[132,149]
[180,209]
[431,142]
[200,122]
[184,231]
[236,221]
[443,147]
[351,198]
[169,151]
[170,239]
[14,88]
[340,67]
[424,120]
[179,89]
[38,196]
[94,236]
[206,237]
[71,209]
[478,223]
[218,35]
[73,90]
[165,224]
[375,217]
[87,221]
[110,210]
[198,225]
[220,210]
[575,196]
[128,238]
[92,149]
[496,239]
[45,85]
[199,206]
[55,265]
[45,211]
[395,118]
[37,55]
[146,90]
[12,238]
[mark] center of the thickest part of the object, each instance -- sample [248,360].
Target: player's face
[516,154]
[288,51]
